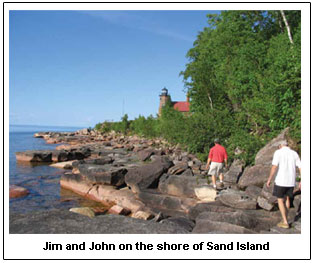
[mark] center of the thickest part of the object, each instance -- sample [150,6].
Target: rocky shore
[150,186]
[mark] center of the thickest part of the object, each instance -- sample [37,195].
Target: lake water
[42,181]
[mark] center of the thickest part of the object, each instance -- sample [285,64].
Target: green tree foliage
[243,77]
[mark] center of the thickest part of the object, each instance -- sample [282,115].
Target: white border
[281,246]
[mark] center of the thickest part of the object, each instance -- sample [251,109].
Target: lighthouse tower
[164,97]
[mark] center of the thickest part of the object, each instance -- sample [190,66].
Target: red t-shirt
[218,154]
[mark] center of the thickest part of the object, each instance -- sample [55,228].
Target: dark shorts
[282,191]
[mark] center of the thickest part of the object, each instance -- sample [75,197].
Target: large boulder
[234,172]
[147,176]
[255,175]
[103,174]
[34,156]
[237,199]
[183,222]
[265,155]
[179,185]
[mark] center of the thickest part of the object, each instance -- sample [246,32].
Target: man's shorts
[282,191]
[215,168]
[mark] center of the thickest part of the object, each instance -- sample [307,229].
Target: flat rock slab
[65,222]
[237,200]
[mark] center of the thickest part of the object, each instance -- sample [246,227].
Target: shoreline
[157,182]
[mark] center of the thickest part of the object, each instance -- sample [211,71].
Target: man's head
[283,143]
[216,140]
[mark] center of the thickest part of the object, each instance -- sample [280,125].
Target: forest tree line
[243,78]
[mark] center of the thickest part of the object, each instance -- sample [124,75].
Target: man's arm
[208,163]
[273,170]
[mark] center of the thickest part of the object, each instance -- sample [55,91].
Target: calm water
[42,181]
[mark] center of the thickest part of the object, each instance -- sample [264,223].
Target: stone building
[182,106]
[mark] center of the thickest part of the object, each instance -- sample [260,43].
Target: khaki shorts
[215,169]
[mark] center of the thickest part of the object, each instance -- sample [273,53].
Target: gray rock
[208,226]
[147,176]
[179,185]
[253,191]
[237,199]
[234,172]
[103,174]
[65,222]
[265,155]
[178,168]
[182,222]
[264,203]
[216,206]
[255,175]
[187,172]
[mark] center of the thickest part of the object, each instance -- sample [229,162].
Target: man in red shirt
[217,156]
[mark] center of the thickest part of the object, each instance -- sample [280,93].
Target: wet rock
[17,191]
[147,176]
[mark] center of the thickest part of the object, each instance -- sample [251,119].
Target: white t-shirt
[286,160]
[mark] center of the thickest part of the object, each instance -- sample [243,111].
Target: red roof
[182,106]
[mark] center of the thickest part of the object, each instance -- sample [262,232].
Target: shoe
[282,225]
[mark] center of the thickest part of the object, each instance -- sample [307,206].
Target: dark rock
[255,175]
[34,156]
[99,161]
[103,174]
[65,222]
[147,176]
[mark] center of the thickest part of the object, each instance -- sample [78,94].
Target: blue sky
[78,68]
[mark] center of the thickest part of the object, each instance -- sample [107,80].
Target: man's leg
[221,177]
[282,209]
[213,178]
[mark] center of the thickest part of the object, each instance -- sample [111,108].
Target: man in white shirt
[286,161]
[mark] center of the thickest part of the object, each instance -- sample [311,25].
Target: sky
[78,68]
